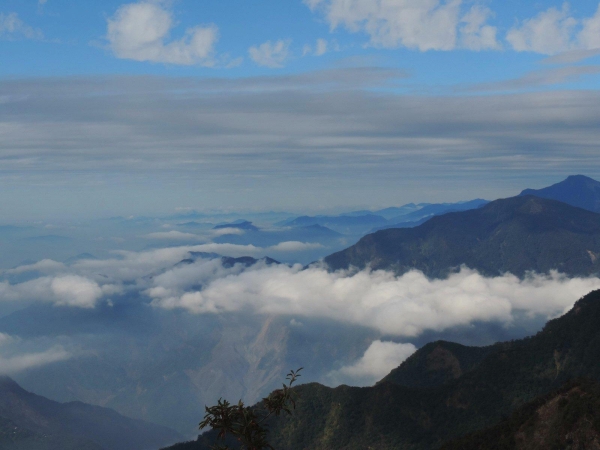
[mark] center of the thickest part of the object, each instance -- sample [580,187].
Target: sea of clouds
[398,307]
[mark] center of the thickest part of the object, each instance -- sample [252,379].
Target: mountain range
[164,366]
[32,422]
[516,235]
[361,222]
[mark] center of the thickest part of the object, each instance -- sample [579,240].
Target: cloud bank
[318,130]
[402,306]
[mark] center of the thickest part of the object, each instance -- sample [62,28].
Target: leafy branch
[249,424]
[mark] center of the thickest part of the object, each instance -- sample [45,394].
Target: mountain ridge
[576,190]
[391,416]
[74,425]
[516,235]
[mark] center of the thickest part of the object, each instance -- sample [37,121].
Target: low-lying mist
[157,334]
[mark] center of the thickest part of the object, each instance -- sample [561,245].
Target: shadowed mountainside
[566,419]
[490,386]
[515,235]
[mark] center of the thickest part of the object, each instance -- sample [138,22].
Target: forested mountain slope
[515,235]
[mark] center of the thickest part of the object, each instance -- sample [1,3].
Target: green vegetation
[566,419]
[248,425]
[516,235]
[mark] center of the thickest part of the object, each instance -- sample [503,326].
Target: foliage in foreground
[248,425]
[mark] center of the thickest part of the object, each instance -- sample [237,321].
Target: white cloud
[475,34]
[312,4]
[43,266]
[423,24]
[5,339]
[379,360]
[15,364]
[321,47]
[554,31]
[139,31]
[11,27]
[550,32]
[589,37]
[63,290]
[270,54]
[224,231]
[294,246]
[73,290]
[401,306]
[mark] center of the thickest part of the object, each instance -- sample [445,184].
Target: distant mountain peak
[516,235]
[576,190]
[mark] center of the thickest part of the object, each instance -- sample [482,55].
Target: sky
[113,108]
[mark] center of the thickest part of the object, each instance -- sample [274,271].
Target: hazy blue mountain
[360,222]
[343,224]
[437,209]
[80,257]
[391,212]
[576,190]
[43,423]
[484,386]
[515,235]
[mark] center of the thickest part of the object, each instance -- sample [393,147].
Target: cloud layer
[318,130]
[400,306]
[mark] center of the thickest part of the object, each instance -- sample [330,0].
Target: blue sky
[143,105]
[60,38]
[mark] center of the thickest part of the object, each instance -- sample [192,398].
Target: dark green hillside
[576,190]
[566,419]
[513,235]
[391,416]
[438,363]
